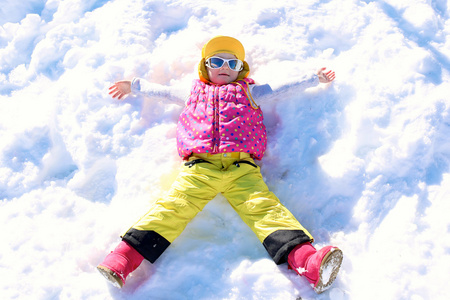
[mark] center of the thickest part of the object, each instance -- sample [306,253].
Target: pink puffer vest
[221,119]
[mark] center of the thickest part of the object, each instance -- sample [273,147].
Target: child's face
[224,74]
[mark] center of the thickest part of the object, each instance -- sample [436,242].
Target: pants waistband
[239,155]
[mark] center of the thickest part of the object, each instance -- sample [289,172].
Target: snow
[362,163]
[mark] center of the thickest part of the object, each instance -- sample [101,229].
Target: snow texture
[362,163]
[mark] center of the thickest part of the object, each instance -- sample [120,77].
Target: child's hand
[120,89]
[325,77]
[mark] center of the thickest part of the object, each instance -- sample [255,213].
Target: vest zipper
[216,122]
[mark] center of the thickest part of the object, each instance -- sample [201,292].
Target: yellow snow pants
[201,178]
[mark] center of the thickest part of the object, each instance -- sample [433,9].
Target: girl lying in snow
[220,132]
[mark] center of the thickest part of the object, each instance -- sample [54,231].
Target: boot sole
[329,269]
[111,276]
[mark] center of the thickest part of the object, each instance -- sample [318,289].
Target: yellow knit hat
[222,44]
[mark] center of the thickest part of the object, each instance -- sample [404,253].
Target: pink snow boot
[319,267]
[119,263]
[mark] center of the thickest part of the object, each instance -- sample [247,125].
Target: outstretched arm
[122,88]
[262,92]
[323,76]
[304,83]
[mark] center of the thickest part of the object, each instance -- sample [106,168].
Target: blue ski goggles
[217,62]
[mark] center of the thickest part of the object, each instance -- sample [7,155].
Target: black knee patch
[149,244]
[281,242]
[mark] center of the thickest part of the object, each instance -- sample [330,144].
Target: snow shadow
[166,19]
[302,126]
[423,37]
[34,158]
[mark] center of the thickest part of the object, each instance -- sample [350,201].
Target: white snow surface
[362,163]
